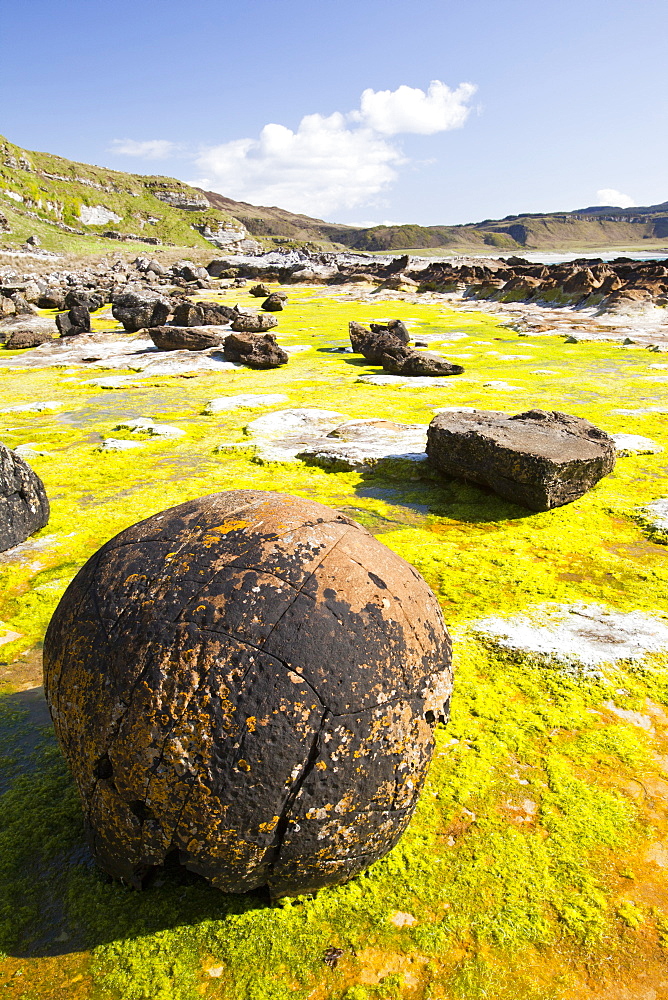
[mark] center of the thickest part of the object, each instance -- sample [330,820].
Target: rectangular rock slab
[538,459]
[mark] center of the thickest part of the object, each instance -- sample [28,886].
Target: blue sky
[566,99]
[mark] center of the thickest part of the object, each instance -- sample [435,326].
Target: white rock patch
[97,215]
[635,444]
[246,401]
[579,636]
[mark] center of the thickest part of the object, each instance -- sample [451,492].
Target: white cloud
[409,109]
[608,196]
[149,149]
[331,162]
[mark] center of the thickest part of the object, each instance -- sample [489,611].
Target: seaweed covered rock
[539,459]
[247,681]
[24,507]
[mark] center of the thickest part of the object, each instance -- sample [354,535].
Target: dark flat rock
[539,459]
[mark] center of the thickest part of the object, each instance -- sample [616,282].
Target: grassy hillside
[280,226]
[71,205]
[52,197]
[590,227]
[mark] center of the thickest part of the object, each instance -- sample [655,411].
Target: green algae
[524,825]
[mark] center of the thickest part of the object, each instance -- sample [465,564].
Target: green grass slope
[49,195]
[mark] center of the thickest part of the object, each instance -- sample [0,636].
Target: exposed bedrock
[24,507]
[250,680]
[538,459]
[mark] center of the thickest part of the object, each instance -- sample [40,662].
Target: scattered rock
[251,322]
[254,350]
[580,636]
[321,639]
[281,435]
[19,340]
[538,459]
[405,361]
[275,302]
[74,322]
[247,401]
[24,507]
[203,314]
[140,310]
[635,444]
[187,338]
[373,344]
[260,291]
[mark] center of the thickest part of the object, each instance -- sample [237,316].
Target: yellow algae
[517,909]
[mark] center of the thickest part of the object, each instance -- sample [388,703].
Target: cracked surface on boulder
[250,680]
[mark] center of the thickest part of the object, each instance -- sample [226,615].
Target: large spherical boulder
[250,680]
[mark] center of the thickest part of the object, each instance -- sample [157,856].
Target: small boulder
[406,361]
[140,310]
[246,321]
[74,322]
[259,291]
[254,350]
[373,344]
[394,326]
[275,302]
[21,339]
[203,314]
[24,507]
[539,459]
[84,297]
[186,338]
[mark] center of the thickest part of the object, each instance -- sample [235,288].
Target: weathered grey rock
[259,291]
[406,361]
[118,444]
[334,662]
[187,338]
[282,435]
[578,637]
[203,314]
[254,350]
[19,340]
[140,310]
[275,302]
[538,459]
[358,444]
[246,321]
[24,507]
[53,297]
[245,401]
[655,516]
[84,297]
[635,444]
